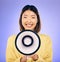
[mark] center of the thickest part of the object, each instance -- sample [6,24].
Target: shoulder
[45,37]
[11,38]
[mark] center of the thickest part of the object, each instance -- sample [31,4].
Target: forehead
[29,12]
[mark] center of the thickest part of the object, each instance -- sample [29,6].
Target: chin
[28,29]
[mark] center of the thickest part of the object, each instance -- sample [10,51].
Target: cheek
[23,21]
[35,22]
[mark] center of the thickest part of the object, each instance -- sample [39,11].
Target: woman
[30,20]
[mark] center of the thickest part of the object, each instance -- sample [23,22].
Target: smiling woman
[30,20]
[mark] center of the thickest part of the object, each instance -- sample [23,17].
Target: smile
[29,25]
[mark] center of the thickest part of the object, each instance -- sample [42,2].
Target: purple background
[49,11]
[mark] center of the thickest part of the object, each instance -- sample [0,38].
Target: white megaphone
[27,42]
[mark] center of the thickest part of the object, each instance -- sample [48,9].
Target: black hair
[34,9]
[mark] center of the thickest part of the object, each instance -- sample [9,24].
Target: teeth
[29,25]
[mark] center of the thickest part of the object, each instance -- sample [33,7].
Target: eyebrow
[32,15]
[27,15]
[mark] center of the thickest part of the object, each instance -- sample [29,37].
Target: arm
[47,57]
[11,55]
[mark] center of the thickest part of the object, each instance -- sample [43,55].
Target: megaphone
[27,42]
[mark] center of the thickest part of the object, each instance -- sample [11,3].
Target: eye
[25,17]
[33,17]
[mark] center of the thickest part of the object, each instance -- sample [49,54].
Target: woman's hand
[23,59]
[34,57]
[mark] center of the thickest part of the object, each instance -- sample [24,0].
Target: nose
[29,20]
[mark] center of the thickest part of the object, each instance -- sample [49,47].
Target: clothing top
[44,52]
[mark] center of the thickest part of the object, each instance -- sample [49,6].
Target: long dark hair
[34,9]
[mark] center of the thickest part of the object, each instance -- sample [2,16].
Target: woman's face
[29,20]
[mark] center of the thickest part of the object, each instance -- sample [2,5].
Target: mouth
[29,25]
